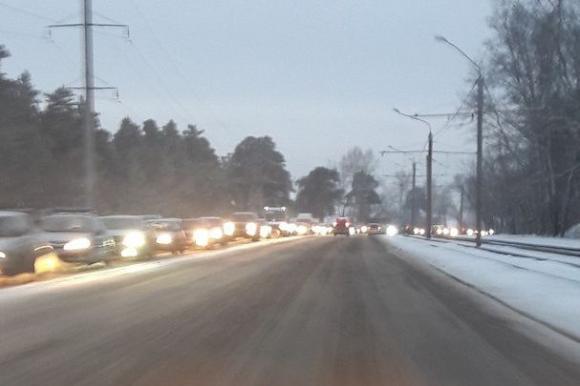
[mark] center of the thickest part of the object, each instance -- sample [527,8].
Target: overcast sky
[317,76]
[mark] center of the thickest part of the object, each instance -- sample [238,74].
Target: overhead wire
[170,60]
[27,12]
[456,114]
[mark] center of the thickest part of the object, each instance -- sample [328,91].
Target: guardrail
[559,250]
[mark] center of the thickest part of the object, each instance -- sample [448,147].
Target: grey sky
[318,76]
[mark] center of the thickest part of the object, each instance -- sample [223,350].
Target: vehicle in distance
[243,225]
[20,244]
[375,229]
[78,237]
[341,226]
[205,232]
[277,218]
[132,236]
[170,235]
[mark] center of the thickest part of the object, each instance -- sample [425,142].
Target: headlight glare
[164,238]
[251,229]
[134,240]
[201,237]
[229,228]
[78,244]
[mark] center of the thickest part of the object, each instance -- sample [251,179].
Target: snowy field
[542,286]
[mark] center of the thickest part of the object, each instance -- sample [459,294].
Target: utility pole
[429,188]
[429,203]
[479,171]
[89,88]
[414,197]
[461,208]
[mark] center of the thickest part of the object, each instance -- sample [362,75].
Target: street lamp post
[429,203]
[479,166]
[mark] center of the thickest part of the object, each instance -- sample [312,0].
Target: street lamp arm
[415,117]
[443,39]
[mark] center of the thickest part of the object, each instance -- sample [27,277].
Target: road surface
[317,311]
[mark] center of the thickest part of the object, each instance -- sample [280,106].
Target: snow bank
[538,240]
[543,289]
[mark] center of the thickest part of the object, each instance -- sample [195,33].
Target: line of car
[33,243]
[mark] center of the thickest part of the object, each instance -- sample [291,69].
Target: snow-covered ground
[544,287]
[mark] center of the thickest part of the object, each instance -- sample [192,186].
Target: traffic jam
[60,240]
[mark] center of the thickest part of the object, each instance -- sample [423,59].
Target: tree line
[532,161]
[152,168]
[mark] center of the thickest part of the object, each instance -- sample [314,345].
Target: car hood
[63,237]
[121,232]
[8,242]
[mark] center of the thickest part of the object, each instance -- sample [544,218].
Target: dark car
[78,237]
[170,235]
[205,232]
[132,235]
[341,226]
[244,225]
[20,244]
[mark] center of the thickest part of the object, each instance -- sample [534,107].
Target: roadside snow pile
[546,290]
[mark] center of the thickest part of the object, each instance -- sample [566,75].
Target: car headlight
[216,233]
[265,231]
[201,237]
[454,232]
[164,238]
[392,230]
[283,226]
[302,229]
[229,228]
[78,244]
[2,255]
[364,229]
[134,240]
[251,228]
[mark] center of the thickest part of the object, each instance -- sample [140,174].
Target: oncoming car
[131,234]
[78,237]
[205,232]
[170,235]
[20,245]
[375,229]
[243,225]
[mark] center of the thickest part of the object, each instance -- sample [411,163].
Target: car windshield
[203,221]
[275,216]
[67,223]
[172,226]
[13,226]
[244,217]
[116,223]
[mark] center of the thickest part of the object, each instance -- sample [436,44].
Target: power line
[27,12]
[170,59]
[162,84]
[21,34]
